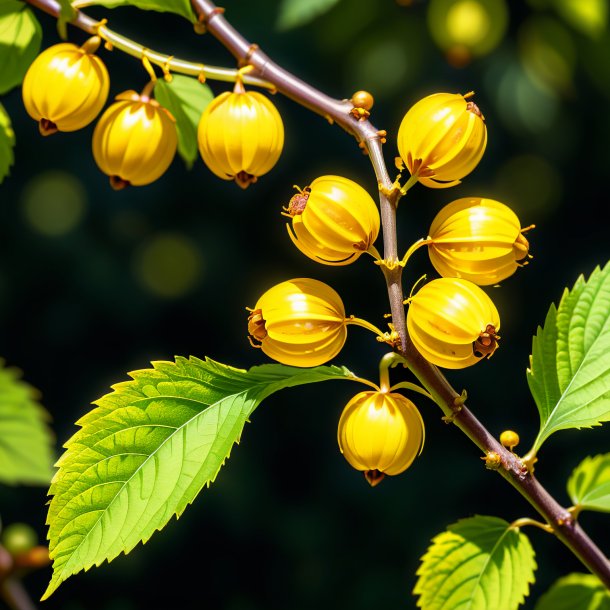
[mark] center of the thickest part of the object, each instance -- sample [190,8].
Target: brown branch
[508,464]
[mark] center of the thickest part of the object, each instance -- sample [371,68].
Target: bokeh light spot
[169,265]
[54,203]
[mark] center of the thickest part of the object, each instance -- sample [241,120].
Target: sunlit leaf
[294,13]
[20,36]
[146,451]
[589,485]
[186,98]
[569,374]
[575,592]
[478,563]
[7,143]
[26,442]
[180,7]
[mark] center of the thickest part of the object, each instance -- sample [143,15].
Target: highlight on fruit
[477,239]
[135,140]
[66,87]
[240,135]
[380,433]
[334,221]
[453,323]
[442,138]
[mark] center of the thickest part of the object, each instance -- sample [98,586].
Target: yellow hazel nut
[380,433]
[334,220]
[453,323]
[477,239]
[240,136]
[135,140]
[442,138]
[362,99]
[66,87]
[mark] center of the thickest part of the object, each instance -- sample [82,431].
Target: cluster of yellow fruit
[452,322]
[240,134]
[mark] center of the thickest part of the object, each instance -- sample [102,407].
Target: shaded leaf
[574,592]
[294,13]
[589,485]
[179,7]
[477,563]
[186,98]
[7,143]
[20,36]
[569,374]
[146,451]
[26,441]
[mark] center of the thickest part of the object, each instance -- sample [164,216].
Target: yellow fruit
[300,322]
[453,323]
[477,239]
[135,140]
[240,136]
[334,220]
[509,439]
[380,433]
[66,87]
[442,139]
[363,99]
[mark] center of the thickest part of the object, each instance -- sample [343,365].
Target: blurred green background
[95,283]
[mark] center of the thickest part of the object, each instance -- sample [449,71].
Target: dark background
[288,524]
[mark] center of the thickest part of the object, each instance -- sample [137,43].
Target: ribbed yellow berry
[453,323]
[66,87]
[300,322]
[334,220]
[380,433]
[240,136]
[477,239]
[135,140]
[442,139]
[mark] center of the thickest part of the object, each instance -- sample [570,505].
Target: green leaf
[147,449]
[569,374]
[589,485]
[179,7]
[294,13]
[20,36]
[574,592]
[26,442]
[186,98]
[7,143]
[66,13]
[478,563]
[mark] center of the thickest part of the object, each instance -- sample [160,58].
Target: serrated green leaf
[20,36]
[569,374]
[7,143]
[179,7]
[575,592]
[147,449]
[588,16]
[186,98]
[26,442]
[294,13]
[478,563]
[589,485]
